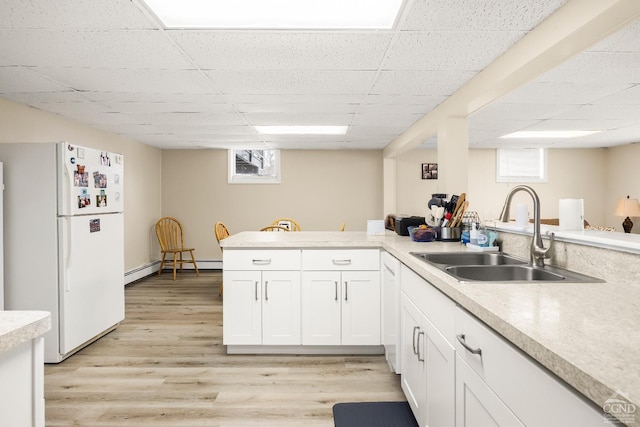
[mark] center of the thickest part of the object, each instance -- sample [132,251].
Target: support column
[389,186]
[453,155]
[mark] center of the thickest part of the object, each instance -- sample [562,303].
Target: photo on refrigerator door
[101,199]
[80,179]
[99,180]
[84,199]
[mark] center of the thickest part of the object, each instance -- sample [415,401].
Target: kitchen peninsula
[571,329]
[22,367]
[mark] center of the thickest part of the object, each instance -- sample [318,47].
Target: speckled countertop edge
[575,346]
[17,327]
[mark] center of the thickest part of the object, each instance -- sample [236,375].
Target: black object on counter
[402,223]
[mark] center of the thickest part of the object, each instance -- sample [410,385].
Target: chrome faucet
[538,252]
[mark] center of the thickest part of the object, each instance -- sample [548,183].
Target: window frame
[235,178]
[504,176]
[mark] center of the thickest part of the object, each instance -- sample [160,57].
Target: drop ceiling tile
[91,49]
[629,96]
[431,83]
[283,50]
[297,108]
[380,129]
[189,118]
[625,40]
[154,97]
[134,81]
[170,107]
[405,109]
[450,50]
[243,98]
[497,127]
[293,82]
[507,111]
[73,14]
[602,112]
[580,124]
[597,67]
[40,99]
[562,92]
[396,99]
[478,15]
[19,80]
[200,129]
[303,119]
[398,119]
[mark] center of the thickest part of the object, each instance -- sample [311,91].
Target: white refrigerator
[64,240]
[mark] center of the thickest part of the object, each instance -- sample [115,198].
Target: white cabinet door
[412,379]
[242,314]
[321,306]
[428,368]
[281,308]
[341,308]
[476,404]
[361,308]
[440,359]
[390,309]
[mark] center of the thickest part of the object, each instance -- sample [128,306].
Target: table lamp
[627,208]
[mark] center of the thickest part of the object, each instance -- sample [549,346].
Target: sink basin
[468,258]
[497,267]
[502,273]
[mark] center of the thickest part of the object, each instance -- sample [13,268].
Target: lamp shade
[627,207]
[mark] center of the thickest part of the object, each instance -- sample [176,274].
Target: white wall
[320,189]
[573,173]
[623,170]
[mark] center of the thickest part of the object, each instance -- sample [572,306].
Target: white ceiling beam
[570,30]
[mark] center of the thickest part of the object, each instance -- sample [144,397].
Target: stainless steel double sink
[497,267]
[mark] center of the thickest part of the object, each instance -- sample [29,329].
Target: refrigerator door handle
[66,261]
[65,182]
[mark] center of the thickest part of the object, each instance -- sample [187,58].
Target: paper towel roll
[522,215]
[571,214]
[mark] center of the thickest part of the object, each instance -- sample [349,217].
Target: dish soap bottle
[473,234]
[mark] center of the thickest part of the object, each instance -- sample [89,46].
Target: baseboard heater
[153,267]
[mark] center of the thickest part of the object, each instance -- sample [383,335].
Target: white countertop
[17,327]
[586,333]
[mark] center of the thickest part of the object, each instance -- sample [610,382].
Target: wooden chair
[171,238]
[274,228]
[221,232]
[289,223]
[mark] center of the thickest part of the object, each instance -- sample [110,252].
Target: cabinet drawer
[522,384]
[285,259]
[347,259]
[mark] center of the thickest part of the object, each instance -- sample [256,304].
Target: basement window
[521,165]
[254,167]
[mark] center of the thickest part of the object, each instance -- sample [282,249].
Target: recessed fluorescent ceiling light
[302,130]
[282,14]
[550,133]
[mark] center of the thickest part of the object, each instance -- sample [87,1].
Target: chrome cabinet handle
[341,261]
[266,290]
[420,359]
[413,339]
[336,282]
[346,291]
[393,273]
[461,340]
[256,290]
[261,261]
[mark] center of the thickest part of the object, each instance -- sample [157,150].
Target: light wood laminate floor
[165,365]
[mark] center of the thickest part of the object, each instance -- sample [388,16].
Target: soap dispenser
[473,234]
